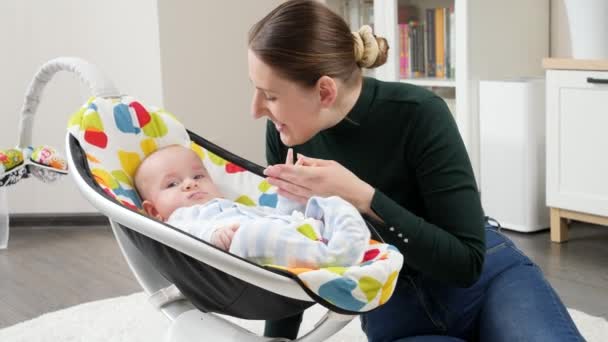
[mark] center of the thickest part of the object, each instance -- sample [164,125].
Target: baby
[176,188]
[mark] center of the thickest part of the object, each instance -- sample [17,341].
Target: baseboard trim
[57,219]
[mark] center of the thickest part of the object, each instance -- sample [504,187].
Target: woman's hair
[303,40]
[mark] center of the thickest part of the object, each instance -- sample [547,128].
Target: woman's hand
[222,237]
[310,176]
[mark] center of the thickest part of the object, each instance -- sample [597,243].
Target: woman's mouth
[279,126]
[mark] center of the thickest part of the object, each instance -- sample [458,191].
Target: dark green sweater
[402,140]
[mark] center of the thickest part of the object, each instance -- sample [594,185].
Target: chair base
[194,325]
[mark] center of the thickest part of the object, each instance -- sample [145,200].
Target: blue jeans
[511,301]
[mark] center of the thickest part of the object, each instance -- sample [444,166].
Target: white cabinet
[494,39]
[577,148]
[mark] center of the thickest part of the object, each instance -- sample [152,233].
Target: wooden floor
[47,269]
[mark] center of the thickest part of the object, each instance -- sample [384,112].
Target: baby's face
[172,178]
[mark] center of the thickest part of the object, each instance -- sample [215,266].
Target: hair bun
[370,51]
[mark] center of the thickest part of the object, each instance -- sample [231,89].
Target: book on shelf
[430,43]
[439,44]
[426,42]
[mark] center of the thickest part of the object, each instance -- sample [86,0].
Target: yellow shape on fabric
[129,161]
[308,231]
[245,200]
[92,121]
[264,186]
[294,270]
[76,118]
[336,270]
[11,158]
[148,146]
[156,128]
[299,270]
[370,287]
[104,178]
[388,287]
[198,150]
[122,177]
[217,160]
[92,159]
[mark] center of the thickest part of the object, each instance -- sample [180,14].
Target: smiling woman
[394,152]
[315,76]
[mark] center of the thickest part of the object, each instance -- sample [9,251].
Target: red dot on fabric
[371,254]
[129,205]
[233,168]
[143,117]
[96,138]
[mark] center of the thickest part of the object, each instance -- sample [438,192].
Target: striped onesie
[330,232]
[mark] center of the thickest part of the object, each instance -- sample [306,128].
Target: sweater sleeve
[448,243]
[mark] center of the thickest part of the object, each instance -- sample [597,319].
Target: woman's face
[294,110]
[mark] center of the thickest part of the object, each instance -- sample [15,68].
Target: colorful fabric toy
[43,162]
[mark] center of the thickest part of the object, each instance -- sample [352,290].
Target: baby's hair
[304,40]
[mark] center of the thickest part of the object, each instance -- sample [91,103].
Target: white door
[577,141]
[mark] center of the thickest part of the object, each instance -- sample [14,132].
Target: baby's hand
[222,237]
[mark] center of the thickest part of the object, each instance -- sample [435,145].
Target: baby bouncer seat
[190,280]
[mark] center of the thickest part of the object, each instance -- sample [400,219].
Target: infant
[176,188]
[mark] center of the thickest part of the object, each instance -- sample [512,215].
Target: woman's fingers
[292,188]
[289,159]
[307,161]
[305,176]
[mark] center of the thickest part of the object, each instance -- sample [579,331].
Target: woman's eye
[269,98]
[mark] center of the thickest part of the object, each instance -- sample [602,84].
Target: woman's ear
[151,210]
[328,91]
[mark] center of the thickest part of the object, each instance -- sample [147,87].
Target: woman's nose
[258,109]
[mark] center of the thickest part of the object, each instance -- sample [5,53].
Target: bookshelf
[493,39]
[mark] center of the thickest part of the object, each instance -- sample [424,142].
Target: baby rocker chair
[190,280]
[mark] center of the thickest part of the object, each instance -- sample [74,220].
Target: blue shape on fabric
[129,193]
[366,263]
[268,200]
[93,106]
[338,292]
[124,122]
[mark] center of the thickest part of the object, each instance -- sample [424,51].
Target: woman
[392,150]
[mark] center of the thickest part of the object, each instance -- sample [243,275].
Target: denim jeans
[511,301]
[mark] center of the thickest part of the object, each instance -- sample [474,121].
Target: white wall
[120,37]
[187,55]
[204,70]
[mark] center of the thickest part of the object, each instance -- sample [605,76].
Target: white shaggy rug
[132,319]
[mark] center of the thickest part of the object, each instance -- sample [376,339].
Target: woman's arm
[447,241]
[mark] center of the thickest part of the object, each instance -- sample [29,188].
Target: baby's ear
[151,210]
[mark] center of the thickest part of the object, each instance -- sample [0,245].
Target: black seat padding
[212,290]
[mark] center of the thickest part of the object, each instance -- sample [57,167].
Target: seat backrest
[118,133]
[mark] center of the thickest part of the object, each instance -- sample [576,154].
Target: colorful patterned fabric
[43,162]
[117,134]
